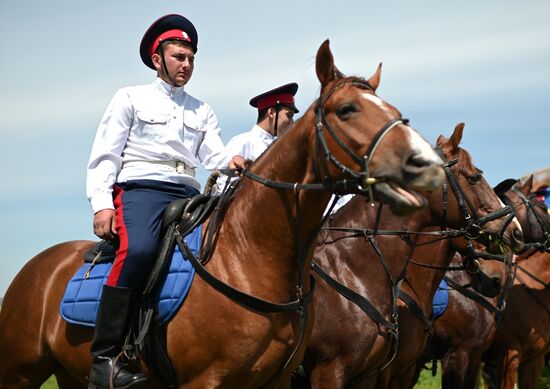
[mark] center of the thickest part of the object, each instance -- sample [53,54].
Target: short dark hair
[262,114]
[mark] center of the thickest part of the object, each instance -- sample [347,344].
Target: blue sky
[483,63]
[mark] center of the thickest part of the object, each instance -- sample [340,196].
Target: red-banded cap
[168,27]
[283,95]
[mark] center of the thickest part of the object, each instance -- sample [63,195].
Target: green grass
[544,382]
[426,381]
[50,384]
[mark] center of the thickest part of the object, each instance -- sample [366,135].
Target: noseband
[362,177]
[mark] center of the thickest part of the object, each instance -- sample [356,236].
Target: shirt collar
[262,134]
[168,89]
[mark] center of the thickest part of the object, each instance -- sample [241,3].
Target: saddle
[186,213]
[148,334]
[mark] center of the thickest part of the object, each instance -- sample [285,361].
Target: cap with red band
[283,95]
[172,34]
[167,27]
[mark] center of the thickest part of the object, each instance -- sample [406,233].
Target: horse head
[362,135]
[474,202]
[531,213]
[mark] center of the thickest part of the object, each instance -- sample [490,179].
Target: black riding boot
[113,316]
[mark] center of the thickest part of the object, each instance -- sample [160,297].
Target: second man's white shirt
[249,145]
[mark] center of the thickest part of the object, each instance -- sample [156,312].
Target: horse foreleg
[66,381]
[529,372]
[22,367]
[489,375]
[405,379]
[507,370]
[330,376]
[19,376]
[460,369]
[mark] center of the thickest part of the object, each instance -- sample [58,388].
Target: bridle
[544,245]
[362,177]
[475,223]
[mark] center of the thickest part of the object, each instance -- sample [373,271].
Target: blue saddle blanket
[81,299]
[441,299]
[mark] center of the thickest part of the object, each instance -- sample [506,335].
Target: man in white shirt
[276,109]
[147,146]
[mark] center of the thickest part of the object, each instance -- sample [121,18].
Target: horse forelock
[465,161]
[463,157]
[338,83]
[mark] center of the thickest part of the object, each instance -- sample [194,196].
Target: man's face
[286,118]
[180,62]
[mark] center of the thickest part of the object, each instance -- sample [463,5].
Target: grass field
[426,381]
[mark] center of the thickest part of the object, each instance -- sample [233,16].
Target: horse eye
[474,178]
[345,110]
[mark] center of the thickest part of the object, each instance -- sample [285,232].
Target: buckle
[180,167]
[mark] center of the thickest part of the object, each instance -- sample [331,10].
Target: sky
[484,63]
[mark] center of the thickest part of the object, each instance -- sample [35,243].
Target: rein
[243,298]
[472,295]
[362,302]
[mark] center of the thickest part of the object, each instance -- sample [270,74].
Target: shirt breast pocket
[151,124]
[194,132]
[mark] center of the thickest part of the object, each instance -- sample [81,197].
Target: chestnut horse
[346,140]
[427,266]
[359,248]
[523,337]
[468,326]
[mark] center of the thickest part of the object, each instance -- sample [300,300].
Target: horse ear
[324,65]
[440,140]
[374,81]
[457,135]
[527,187]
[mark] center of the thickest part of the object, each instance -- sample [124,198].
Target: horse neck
[538,264]
[265,239]
[424,281]
[361,214]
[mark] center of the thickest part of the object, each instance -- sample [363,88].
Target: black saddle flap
[103,252]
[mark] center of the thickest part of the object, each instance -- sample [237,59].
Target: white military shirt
[249,145]
[154,122]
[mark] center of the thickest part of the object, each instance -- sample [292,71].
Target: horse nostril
[495,283]
[418,160]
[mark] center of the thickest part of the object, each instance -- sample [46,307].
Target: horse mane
[360,82]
